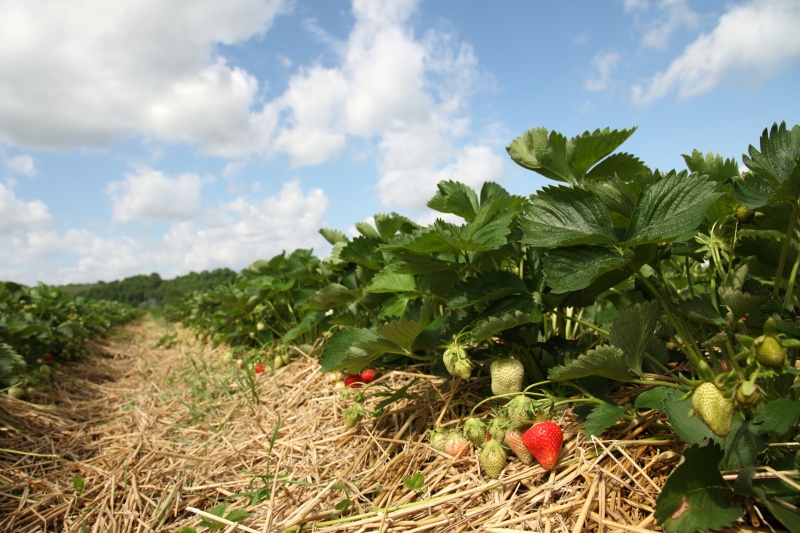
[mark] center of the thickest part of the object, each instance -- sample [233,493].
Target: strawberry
[507,375]
[475,430]
[259,368]
[492,458]
[456,360]
[456,444]
[497,428]
[521,411]
[352,380]
[47,358]
[513,440]
[770,352]
[437,438]
[713,408]
[368,375]
[747,394]
[352,415]
[544,441]
[744,215]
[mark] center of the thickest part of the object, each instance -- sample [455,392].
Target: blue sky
[169,137]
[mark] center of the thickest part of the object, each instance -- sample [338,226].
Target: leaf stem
[787,242]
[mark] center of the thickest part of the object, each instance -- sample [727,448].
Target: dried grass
[159,439]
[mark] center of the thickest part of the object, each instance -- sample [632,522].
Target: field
[144,438]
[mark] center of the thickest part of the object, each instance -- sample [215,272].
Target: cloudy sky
[150,136]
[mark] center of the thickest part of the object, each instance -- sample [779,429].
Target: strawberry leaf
[389,225]
[575,267]
[333,235]
[670,210]
[486,287]
[402,332]
[332,295]
[632,330]
[456,198]
[621,165]
[589,148]
[365,229]
[778,416]
[775,169]
[349,350]
[606,361]
[390,280]
[714,167]
[363,251]
[695,497]
[565,216]
[602,417]
[493,324]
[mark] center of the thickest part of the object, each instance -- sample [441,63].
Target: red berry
[544,441]
[259,368]
[368,375]
[352,380]
[47,357]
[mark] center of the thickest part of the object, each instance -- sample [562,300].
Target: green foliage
[617,274]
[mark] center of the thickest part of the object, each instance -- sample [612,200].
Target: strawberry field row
[680,284]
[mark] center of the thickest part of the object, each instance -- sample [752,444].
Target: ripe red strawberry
[544,441]
[507,375]
[456,444]
[259,368]
[713,408]
[353,380]
[368,375]
[47,357]
[514,441]
[492,458]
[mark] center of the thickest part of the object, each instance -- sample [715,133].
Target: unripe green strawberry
[456,361]
[747,394]
[475,430]
[437,438]
[514,442]
[770,352]
[507,375]
[713,408]
[497,428]
[492,458]
[521,411]
[744,215]
[456,444]
[352,415]
[544,441]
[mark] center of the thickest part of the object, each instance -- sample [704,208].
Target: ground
[152,429]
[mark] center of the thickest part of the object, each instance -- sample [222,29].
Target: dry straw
[159,436]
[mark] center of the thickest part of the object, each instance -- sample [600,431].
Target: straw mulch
[161,435]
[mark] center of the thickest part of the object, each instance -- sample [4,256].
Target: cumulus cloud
[231,234]
[659,23]
[409,94]
[152,195]
[755,39]
[17,217]
[604,63]
[21,164]
[83,73]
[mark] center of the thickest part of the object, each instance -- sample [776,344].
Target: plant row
[678,288]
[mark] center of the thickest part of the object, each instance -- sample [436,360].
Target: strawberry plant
[678,288]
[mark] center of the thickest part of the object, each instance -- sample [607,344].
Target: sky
[147,136]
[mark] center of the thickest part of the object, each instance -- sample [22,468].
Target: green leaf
[670,209]
[415,482]
[332,295]
[575,267]
[742,446]
[691,429]
[456,198]
[402,332]
[343,353]
[701,310]
[365,229]
[632,330]
[623,166]
[389,225]
[652,398]
[565,216]
[606,361]
[602,417]
[333,235]
[695,497]
[11,365]
[237,515]
[771,493]
[714,167]
[557,158]
[486,287]
[778,162]
[492,325]
[390,280]
[363,251]
[778,416]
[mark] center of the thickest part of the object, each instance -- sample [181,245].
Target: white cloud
[755,39]
[604,63]
[672,15]
[408,94]
[18,216]
[85,72]
[21,164]
[152,195]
